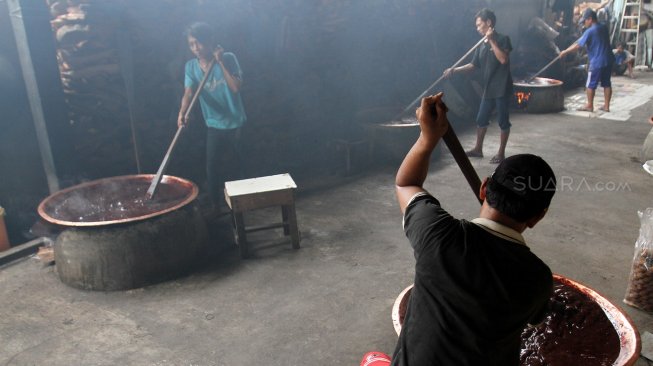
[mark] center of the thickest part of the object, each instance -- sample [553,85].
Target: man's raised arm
[433,123]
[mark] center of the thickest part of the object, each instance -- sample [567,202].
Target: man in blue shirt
[623,60]
[596,39]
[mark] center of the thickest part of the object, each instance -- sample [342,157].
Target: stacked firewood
[87,46]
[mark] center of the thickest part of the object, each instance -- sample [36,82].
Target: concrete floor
[329,302]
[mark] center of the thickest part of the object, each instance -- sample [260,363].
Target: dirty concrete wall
[513,16]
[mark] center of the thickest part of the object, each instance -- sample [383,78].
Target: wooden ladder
[629,27]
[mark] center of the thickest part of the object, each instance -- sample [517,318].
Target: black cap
[588,13]
[528,176]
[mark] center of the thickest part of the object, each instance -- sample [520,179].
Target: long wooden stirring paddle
[164,164]
[453,144]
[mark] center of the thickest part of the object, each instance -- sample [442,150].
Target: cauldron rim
[193,192]
[395,125]
[629,339]
[549,83]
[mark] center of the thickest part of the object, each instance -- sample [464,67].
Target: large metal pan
[117,239]
[540,95]
[630,342]
[115,200]
[455,148]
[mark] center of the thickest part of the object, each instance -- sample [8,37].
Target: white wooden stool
[255,193]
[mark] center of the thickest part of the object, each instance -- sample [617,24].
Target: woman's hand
[217,53]
[182,121]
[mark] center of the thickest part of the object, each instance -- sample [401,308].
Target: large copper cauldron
[117,239]
[115,200]
[540,95]
[629,340]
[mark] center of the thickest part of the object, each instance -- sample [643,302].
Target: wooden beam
[23,250]
[33,93]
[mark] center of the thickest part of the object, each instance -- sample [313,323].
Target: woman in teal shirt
[222,107]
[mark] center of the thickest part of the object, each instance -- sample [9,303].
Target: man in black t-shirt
[492,59]
[477,284]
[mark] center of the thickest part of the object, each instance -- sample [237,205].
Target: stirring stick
[164,164]
[542,70]
[453,144]
[419,98]
[547,65]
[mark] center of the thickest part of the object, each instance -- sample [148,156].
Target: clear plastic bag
[639,292]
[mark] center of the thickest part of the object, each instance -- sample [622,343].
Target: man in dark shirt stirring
[492,58]
[477,284]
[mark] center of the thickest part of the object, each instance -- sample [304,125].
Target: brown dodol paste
[575,332]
